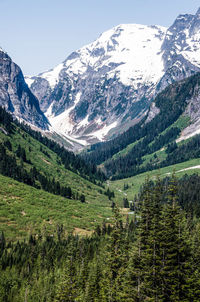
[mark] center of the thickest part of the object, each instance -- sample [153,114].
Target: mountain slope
[15,95]
[26,210]
[105,87]
[151,143]
[28,157]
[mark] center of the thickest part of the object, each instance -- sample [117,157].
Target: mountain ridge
[107,86]
[15,95]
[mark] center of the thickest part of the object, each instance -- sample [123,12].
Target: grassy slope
[41,208]
[25,210]
[136,181]
[50,166]
[182,122]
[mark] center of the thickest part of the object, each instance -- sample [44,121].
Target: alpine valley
[118,221]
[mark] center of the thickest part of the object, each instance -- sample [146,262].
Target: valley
[100,170]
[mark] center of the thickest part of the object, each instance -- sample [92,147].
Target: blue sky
[39,34]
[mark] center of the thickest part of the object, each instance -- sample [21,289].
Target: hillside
[76,186]
[158,139]
[25,210]
[129,187]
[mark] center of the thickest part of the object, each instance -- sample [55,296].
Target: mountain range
[105,87]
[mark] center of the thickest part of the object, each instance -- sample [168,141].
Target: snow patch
[186,136]
[62,123]
[84,122]
[52,76]
[190,168]
[101,133]
[29,81]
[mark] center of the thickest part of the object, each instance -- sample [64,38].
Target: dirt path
[190,168]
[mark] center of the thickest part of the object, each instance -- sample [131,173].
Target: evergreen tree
[114,260]
[175,250]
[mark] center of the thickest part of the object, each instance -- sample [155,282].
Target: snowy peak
[127,44]
[125,50]
[106,86]
[182,41]
[198,13]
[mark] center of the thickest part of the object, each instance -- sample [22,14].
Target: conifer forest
[153,257]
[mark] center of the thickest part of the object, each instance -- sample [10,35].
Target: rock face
[193,112]
[16,96]
[107,86]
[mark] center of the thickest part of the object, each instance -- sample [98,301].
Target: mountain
[105,87]
[16,96]
[161,139]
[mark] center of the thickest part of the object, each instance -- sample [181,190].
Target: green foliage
[154,258]
[25,210]
[124,155]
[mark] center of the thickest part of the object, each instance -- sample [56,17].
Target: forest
[154,256]
[149,137]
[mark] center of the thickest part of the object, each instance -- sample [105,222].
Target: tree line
[147,137]
[16,170]
[70,160]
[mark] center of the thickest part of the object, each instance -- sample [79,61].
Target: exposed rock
[108,85]
[16,96]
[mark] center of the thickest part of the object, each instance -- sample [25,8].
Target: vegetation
[134,183]
[154,257]
[71,161]
[26,159]
[123,156]
[50,196]
[25,210]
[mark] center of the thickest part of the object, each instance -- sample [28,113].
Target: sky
[40,34]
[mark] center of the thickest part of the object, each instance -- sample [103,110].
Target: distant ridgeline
[14,163]
[148,137]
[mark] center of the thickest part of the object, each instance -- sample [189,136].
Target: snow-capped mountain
[107,86]
[15,95]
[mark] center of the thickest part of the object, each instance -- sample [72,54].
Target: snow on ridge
[52,76]
[29,81]
[101,133]
[134,47]
[137,46]
[1,49]
[192,51]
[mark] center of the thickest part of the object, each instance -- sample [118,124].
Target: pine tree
[194,278]
[114,260]
[92,290]
[68,289]
[175,250]
[151,257]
